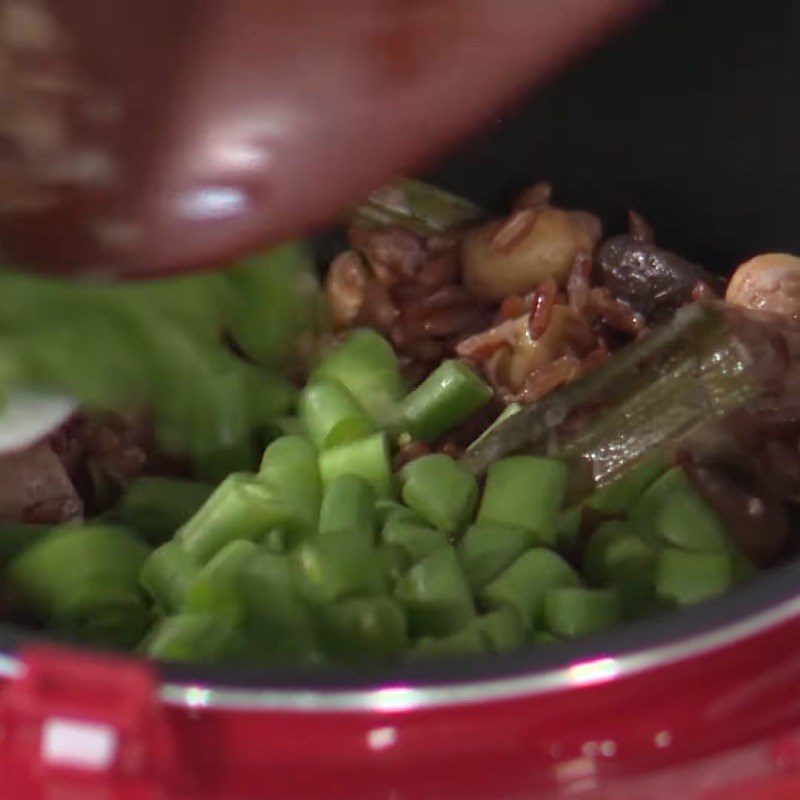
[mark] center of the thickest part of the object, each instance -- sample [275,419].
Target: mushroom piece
[653,282]
[515,255]
[768,282]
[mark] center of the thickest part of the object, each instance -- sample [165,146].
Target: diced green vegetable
[487,549]
[673,511]
[525,491]
[331,414]
[332,569]
[362,628]
[152,343]
[241,507]
[276,541]
[156,507]
[194,637]
[167,574]
[435,595]
[450,394]
[15,537]
[229,562]
[416,206]
[568,531]
[416,540]
[367,366]
[684,578]
[274,300]
[468,641]
[348,511]
[501,630]
[441,491]
[620,496]
[391,509]
[367,458]
[573,612]
[619,560]
[276,615]
[83,582]
[522,586]
[222,599]
[544,637]
[596,556]
[289,470]
[396,561]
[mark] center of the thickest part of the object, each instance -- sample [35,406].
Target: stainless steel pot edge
[407,697]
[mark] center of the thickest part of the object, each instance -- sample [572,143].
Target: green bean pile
[328,555]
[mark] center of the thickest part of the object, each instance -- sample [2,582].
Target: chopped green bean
[348,511]
[289,426]
[416,206]
[416,540]
[502,630]
[573,612]
[229,562]
[269,397]
[596,556]
[193,637]
[276,615]
[450,394]
[331,414]
[525,491]
[396,561]
[361,628]
[435,595]
[441,491]
[240,508]
[461,643]
[167,574]
[83,582]
[568,532]
[276,541]
[620,496]
[289,469]
[222,599]
[330,569]
[544,637]
[684,578]
[522,586]
[15,537]
[156,507]
[367,458]
[619,560]
[275,299]
[367,366]
[391,509]
[487,549]
[673,512]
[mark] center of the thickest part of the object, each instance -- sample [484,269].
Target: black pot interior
[691,118]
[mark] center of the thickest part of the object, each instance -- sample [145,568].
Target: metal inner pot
[691,119]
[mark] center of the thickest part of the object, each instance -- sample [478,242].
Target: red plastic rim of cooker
[703,703]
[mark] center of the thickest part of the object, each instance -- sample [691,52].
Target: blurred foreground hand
[143,136]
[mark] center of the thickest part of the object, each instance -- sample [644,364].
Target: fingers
[263,118]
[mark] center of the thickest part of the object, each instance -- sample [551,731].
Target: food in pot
[477,434]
